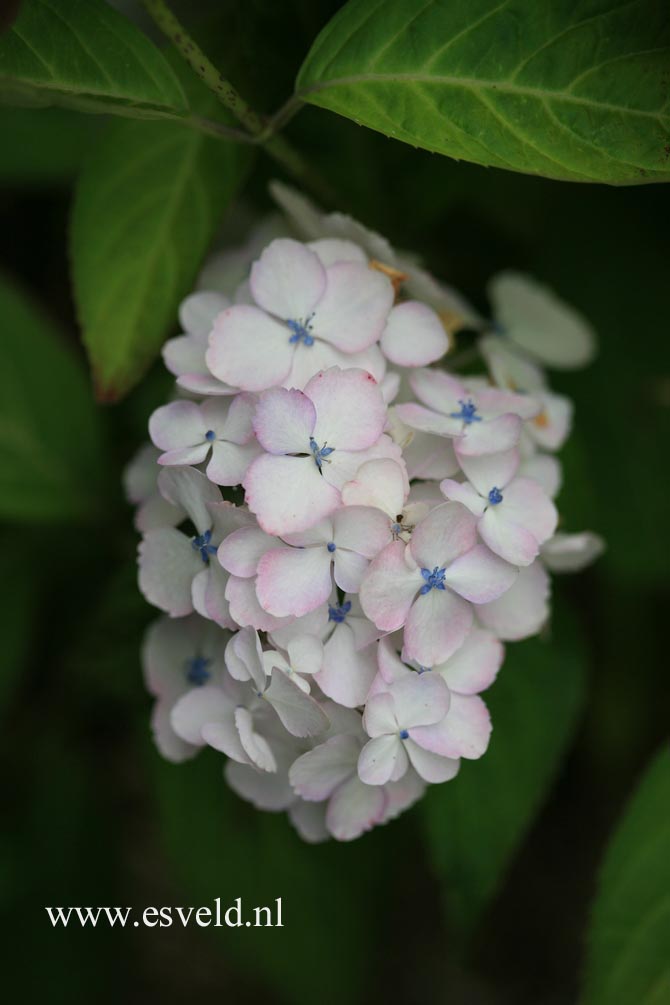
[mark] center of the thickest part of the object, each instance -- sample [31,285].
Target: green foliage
[628,957]
[43,146]
[18,603]
[50,438]
[475,824]
[147,205]
[574,91]
[84,54]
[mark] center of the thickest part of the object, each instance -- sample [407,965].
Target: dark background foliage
[93,816]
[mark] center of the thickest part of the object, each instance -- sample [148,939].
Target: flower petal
[379,483]
[288,494]
[474,666]
[389,587]
[382,759]
[293,581]
[248,349]
[317,773]
[355,808]
[284,421]
[480,576]
[414,335]
[447,532]
[464,732]
[437,625]
[353,310]
[299,712]
[167,566]
[523,609]
[350,409]
[288,280]
[431,767]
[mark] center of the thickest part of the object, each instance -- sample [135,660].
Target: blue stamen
[422,669]
[331,546]
[468,412]
[339,614]
[301,331]
[403,734]
[210,435]
[320,453]
[434,580]
[196,671]
[201,544]
[495,496]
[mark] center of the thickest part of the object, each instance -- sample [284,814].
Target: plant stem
[258,130]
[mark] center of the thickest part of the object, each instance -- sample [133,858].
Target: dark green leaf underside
[575,91]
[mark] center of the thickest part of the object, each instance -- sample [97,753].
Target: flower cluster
[340,532]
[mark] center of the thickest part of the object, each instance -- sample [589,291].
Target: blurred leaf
[146,207]
[475,824]
[19,577]
[629,942]
[50,442]
[42,146]
[84,54]
[574,91]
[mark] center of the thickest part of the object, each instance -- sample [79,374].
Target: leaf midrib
[483,84]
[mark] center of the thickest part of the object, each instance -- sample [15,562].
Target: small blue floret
[210,435]
[468,412]
[301,331]
[404,734]
[434,580]
[197,672]
[202,544]
[422,669]
[320,454]
[339,614]
[331,546]
[495,496]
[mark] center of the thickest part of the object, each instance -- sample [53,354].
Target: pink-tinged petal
[526,503]
[284,421]
[349,569]
[464,732]
[185,456]
[197,312]
[244,607]
[431,457]
[288,280]
[414,335]
[523,609]
[232,420]
[168,744]
[213,604]
[513,543]
[379,483]
[508,367]
[494,402]
[438,390]
[315,623]
[353,310]
[196,708]
[299,713]
[242,550]
[305,654]
[331,250]
[420,699]
[474,666]
[185,354]
[287,494]
[167,565]
[447,532]
[437,625]
[464,493]
[157,512]
[244,657]
[572,552]
[391,667]
[227,518]
[310,360]
[431,767]
[350,410]
[545,470]
[491,470]
[248,349]
[230,462]
[402,794]
[256,747]
[355,808]
[347,671]
[361,529]
[191,491]
[426,421]
[320,534]
[268,791]
[489,437]
[551,427]
[379,718]
[309,820]
[389,587]
[293,581]
[316,774]
[382,759]
[179,424]
[480,576]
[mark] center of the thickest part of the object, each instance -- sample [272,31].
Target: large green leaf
[147,205]
[629,942]
[18,603]
[475,824]
[85,54]
[50,451]
[570,90]
[43,147]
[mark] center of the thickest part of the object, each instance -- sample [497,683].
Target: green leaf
[628,959]
[475,824]
[18,602]
[42,147]
[146,207]
[84,54]
[569,90]
[50,442]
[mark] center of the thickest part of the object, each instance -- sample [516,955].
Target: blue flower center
[320,453]
[433,580]
[468,412]
[196,670]
[301,331]
[404,734]
[495,496]
[202,544]
[210,435]
[331,546]
[422,669]
[339,614]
